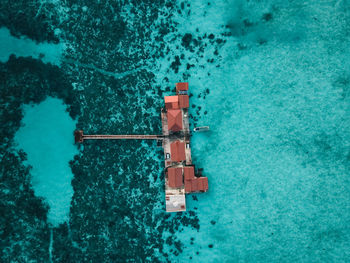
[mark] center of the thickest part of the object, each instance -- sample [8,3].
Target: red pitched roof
[177,151]
[184,101]
[203,183]
[171,102]
[174,120]
[181,86]
[175,177]
[188,184]
[194,185]
[189,172]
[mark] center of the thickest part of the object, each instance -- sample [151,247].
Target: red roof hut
[181,86]
[174,120]
[176,102]
[171,102]
[184,101]
[177,151]
[175,178]
[189,172]
[203,184]
[189,175]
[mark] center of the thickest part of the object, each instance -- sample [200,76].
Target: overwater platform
[181,177]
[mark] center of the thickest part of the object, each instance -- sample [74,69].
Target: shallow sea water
[270,78]
[24,47]
[46,137]
[277,154]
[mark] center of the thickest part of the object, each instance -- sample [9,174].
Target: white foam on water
[46,135]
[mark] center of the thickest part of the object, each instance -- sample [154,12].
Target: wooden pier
[80,137]
[118,137]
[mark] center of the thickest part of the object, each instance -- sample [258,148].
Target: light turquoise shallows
[24,47]
[47,137]
[277,154]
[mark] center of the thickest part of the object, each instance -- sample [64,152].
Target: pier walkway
[118,137]
[80,137]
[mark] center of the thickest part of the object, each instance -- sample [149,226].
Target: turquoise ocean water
[277,155]
[46,138]
[48,52]
[270,78]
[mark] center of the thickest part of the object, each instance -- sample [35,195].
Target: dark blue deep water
[270,78]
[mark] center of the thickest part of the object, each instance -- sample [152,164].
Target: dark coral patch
[189,66]
[175,64]
[186,40]
[267,17]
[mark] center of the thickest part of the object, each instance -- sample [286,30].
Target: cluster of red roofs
[181,175]
[192,183]
[174,106]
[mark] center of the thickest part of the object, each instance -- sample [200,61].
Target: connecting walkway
[118,137]
[80,137]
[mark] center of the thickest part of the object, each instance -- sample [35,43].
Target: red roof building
[171,102]
[181,86]
[174,120]
[189,172]
[189,175]
[194,185]
[188,187]
[203,184]
[177,151]
[176,102]
[175,178]
[184,101]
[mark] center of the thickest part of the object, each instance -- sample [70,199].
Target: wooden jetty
[180,173]
[80,137]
